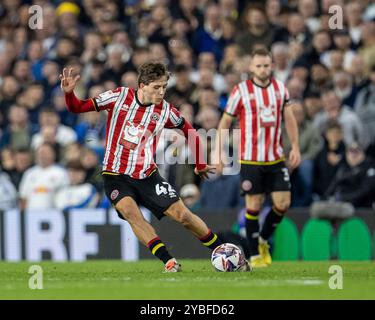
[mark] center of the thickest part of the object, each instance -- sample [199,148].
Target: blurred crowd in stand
[51,158]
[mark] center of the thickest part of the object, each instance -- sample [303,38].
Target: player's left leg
[180,213]
[145,233]
[254,203]
[281,203]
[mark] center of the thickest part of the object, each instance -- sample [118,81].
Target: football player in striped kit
[136,119]
[261,104]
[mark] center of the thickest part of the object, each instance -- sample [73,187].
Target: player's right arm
[104,101]
[68,83]
[231,111]
[222,131]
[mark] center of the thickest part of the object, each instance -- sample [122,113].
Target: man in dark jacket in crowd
[355,180]
[329,159]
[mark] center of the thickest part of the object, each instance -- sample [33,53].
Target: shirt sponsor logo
[267,116]
[132,135]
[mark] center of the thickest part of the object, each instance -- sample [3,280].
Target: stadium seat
[286,241]
[354,240]
[316,240]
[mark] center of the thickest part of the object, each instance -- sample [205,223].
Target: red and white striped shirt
[260,111]
[133,130]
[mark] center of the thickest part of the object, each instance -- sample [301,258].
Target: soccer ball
[227,258]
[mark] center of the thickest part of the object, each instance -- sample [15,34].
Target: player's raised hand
[203,173]
[68,81]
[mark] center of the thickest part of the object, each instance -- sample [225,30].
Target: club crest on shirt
[114,194]
[246,185]
[155,117]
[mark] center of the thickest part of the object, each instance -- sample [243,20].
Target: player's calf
[143,229]
[273,219]
[281,203]
[180,213]
[184,217]
[252,230]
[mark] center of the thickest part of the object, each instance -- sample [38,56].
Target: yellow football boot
[257,262]
[264,251]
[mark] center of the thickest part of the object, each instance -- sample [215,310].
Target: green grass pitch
[145,280]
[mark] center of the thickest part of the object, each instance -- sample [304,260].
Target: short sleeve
[234,103]
[107,99]
[175,119]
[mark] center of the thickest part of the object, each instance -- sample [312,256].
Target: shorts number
[160,189]
[286,174]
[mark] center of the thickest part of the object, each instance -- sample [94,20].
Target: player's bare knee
[282,205]
[128,214]
[125,214]
[254,204]
[184,217]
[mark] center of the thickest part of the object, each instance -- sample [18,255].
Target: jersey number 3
[286,174]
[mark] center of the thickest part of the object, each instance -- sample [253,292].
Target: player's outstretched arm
[201,167]
[225,124]
[68,83]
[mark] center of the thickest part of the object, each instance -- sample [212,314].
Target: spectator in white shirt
[49,118]
[78,194]
[40,183]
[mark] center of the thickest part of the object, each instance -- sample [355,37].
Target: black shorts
[154,192]
[260,179]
